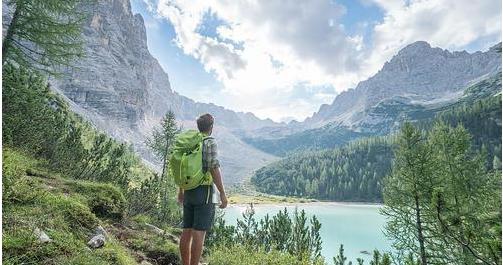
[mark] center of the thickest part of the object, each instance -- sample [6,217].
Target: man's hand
[180,196]
[223,201]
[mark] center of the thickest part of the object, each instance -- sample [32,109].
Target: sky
[283,59]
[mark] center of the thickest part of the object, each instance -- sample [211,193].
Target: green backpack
[186,160]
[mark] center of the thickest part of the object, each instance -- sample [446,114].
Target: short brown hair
[205,122]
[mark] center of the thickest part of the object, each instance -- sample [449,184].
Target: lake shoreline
[259,198]
[313,203]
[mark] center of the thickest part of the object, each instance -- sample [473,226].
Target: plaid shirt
[210,155]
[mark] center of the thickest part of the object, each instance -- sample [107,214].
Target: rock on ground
[97,241]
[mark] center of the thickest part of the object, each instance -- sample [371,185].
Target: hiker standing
[196,168]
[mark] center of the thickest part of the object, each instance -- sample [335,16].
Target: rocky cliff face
[123,90]
[417,75]
[121,80]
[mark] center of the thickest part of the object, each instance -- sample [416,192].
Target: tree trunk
[165,158]
[7,41]
[419,227]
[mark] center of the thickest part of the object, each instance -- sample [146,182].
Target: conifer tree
[160,142]
[464,197]
[407,194]
[43,34]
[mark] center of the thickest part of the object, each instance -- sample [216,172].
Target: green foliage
[296,235]
[238,254]
[104,200]
[442,203]
[465,196]
[160,143]
[43,34]
[149,198]
[329,136]
[57,206]
[351,173]
[340,259]
[377,258]
[41,123]
[354,172]
[163,137]
[408,192]
[158,248]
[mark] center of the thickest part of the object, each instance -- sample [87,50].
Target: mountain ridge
[123,90]
[411,64]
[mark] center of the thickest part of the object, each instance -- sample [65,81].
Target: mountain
[417,74]
[122,89]
[415,84]
[354,172]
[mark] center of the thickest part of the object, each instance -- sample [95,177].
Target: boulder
[155,229]
[97,241]
[42,236]
[101,231]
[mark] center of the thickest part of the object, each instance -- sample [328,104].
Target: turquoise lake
[358,226]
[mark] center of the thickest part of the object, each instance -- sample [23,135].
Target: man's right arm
[217,179]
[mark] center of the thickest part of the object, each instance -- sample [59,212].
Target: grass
[68,211]
[260,198]
[246,193]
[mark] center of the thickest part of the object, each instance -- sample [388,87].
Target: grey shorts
[198,209]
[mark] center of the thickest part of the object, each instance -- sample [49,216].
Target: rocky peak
[418,73]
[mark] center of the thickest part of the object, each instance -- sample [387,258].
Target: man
[198,204]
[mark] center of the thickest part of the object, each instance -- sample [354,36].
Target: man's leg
[197,246]
[185,240]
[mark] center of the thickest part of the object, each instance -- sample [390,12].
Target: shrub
[238,255]
[104,200]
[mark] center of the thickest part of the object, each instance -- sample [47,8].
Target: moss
[105,200]
[158,249]
[61,208]
[114,253]
[74,213]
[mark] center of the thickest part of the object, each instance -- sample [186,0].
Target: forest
[355,171]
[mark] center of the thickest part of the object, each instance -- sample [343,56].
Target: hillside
[355,171]
[70,213]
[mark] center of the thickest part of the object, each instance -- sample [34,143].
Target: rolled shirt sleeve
[210,155]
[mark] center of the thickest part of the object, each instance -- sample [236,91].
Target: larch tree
[160,142]
[465,203]
[43,34]
[407,194]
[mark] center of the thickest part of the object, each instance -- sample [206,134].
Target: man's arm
[217,179]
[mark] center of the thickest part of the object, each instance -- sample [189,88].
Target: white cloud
[265,48]
[449,24]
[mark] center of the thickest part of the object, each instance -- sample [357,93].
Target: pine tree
[162,138]
[340,259]
[407,194]
[465,195]
[160,142]
[43,34]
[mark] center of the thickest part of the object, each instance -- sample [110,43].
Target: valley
[409,155]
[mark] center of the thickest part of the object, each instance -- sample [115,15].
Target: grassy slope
[69,211]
